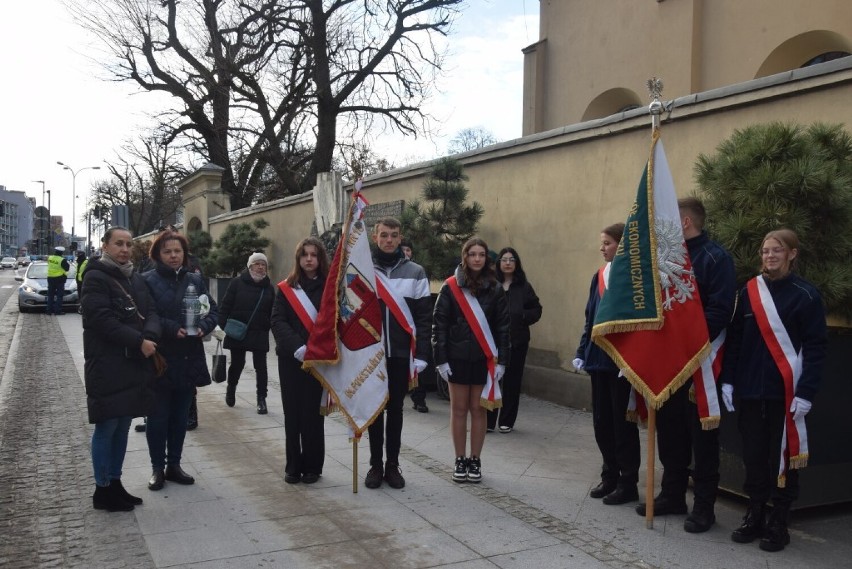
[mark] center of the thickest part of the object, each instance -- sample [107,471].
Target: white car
[8,263]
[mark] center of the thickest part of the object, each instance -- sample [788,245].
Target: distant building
[16,221]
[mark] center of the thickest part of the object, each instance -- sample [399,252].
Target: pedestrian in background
[296,306]
[57,274]
[470,326]
[773,363]
[249,300]
[184,351]
[616,436]
[120,333]
[524,311]
[418,394]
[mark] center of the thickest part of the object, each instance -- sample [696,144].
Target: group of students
[773,334]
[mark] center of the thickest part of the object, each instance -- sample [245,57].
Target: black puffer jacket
[524,310]
[119,378]
[239,303]
[186,357]
[452,337]
[287,328]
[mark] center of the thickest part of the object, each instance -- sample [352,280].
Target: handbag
[220,362]
[237,329]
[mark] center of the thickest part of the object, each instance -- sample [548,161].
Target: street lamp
[49,228]
[74,192]
[41,219]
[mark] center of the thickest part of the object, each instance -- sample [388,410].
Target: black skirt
[468,373]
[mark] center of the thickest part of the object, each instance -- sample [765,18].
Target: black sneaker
[374,477]
[393,476]
[474,469]
[460,473]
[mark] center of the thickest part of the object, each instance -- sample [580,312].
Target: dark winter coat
[524,310]
[594,358]
[408,280]
[239,303]
[452,338]
[748,365]
[185,356]
[119,379]
[717,283]
[287,328]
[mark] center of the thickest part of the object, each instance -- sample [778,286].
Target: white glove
[499,372]
[578,364]
[419,365]
[444,371]
[300,353]
[204,301]
[800,408]
[728,396]
[218,333]
[621,373]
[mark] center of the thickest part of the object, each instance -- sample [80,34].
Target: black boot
[105,498]
[231,395]
[753,523]
[776,536]
[192,418]
[261,405]
[120,491]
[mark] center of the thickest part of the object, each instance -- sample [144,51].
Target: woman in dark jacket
[461,360]
[775,387]
[617,437]
[524,311]
[171,286]
[296,306]
[249,299]
[120,333]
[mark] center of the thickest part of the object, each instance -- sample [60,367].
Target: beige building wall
[593,57]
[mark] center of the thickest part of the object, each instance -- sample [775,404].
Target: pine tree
[440,222]
[775,175]
[231,251]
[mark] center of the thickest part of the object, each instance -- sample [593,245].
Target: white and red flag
[345,351]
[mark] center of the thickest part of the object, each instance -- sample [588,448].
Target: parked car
[32,294]
[23,261]
[8,263]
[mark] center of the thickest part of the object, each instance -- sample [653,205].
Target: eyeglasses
[508,260]
[774,250]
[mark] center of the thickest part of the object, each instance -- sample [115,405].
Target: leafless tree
[471,138]
[264,88]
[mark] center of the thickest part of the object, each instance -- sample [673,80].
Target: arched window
[809,48]
[827,56]
[610,102]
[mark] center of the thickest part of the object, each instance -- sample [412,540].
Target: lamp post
[74,192]
[49,229]
[41,219]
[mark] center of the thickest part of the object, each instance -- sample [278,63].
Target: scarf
[126,269]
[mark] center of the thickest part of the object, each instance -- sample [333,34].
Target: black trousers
[680,438]
[617,438]
[238,362]
[397,388]
[304,426]
[761,425]
[511,389]
[418,395]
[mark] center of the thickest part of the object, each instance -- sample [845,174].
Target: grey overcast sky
[55,104]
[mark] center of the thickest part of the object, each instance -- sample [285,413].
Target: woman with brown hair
[470,340]
[773,362]
[293,315]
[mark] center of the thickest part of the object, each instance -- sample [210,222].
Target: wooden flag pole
[354,465]
[649,464]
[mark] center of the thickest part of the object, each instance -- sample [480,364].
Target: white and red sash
[402,314]
[491,397]
[794,442]
[704,385]
[307,313]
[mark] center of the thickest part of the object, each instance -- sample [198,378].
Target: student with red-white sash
[773,364]
[406,301]
[293,314]
[616,436]
[470,342]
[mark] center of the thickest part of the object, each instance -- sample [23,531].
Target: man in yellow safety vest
[57,271]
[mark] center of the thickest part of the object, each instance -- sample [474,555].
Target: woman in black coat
[459,356]
[181,344]
[524,311]
[249,300]
[296,306]
[120,333]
